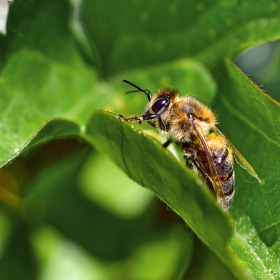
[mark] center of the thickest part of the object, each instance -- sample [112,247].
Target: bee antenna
[146,91]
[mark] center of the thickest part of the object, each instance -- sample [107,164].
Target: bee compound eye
[160,105]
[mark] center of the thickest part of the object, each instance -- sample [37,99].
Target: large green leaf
[47,32]
[56,91]
[42,76]
[254,128]
[150,165]
[141,33]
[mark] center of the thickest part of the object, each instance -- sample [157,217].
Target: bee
[192,125]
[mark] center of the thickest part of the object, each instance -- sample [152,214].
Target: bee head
[160,102]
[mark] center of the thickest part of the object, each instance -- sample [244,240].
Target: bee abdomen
[228,188]
[224,165]
[228,184]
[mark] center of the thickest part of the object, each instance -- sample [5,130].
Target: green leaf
[263,28]
[206,265]
[42,78]
[254,129]
[147,163]
[49,22]
[25,106]
[55,128]
[141,33]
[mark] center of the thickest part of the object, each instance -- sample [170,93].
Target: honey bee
[192,125]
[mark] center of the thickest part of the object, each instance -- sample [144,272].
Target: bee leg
[189,156]
[166,144]
[140,119]
[148,117]
[208,180]
[129,119]
[191,162]
[152,124]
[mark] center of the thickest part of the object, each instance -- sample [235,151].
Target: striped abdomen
[223,160]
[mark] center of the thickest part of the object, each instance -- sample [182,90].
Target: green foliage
[56,71]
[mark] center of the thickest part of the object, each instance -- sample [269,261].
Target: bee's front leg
[130,119]
[192,162]
[140,119]
[167,143]
[189,155]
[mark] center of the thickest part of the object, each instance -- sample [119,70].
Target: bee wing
[214,174]
[237,155]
